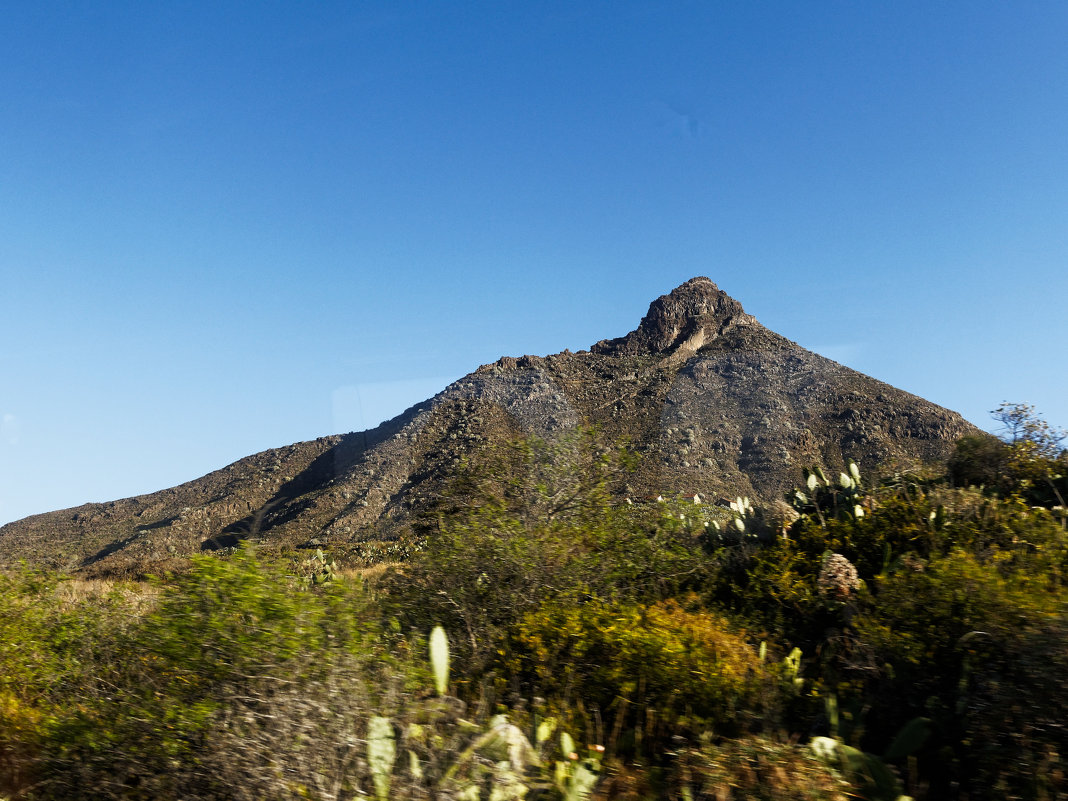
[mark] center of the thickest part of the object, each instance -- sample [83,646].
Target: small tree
[1025,458]
[1023,428]
[1035,457]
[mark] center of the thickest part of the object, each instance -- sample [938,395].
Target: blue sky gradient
[231,226]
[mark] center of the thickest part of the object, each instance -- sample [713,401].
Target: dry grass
[369,574]
[138,596]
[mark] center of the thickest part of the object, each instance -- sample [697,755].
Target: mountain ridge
[713,401]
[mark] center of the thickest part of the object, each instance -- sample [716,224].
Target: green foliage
[912,620]
[773,587]
[234,652]
[823,500]
[319,568]
[979,645]
[1021,424]
[979,460]
[499,764]
[479,575]
[54,631]
[241,682]
[574,777]
[654,670]
[955,596]
[778,588]
[534,483]
[1027,459]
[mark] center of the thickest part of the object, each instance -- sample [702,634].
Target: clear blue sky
[231,226]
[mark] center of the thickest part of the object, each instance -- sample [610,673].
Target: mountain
[714,402]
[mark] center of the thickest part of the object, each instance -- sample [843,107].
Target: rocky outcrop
[693,316]
[713,402]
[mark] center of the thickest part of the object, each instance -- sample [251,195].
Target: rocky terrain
[713,402]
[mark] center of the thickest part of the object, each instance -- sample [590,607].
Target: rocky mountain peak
[686,319]
[713,402]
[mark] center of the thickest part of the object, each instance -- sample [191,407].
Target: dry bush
[757,769]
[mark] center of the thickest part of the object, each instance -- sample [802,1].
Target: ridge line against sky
[229,227]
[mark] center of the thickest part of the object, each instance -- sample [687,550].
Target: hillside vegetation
[873,638]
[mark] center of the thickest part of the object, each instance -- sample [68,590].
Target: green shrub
[647,672]
[1027,459]
[979,645]
[479,576]
[979,460]
[56,637]
[239,683]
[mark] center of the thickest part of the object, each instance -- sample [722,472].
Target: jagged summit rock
[714,403]
[687,318]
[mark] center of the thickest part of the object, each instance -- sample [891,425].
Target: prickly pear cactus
[439,659]
[381,753]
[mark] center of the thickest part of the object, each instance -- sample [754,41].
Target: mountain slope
[714,402]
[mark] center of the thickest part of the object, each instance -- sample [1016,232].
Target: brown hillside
[714,402]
